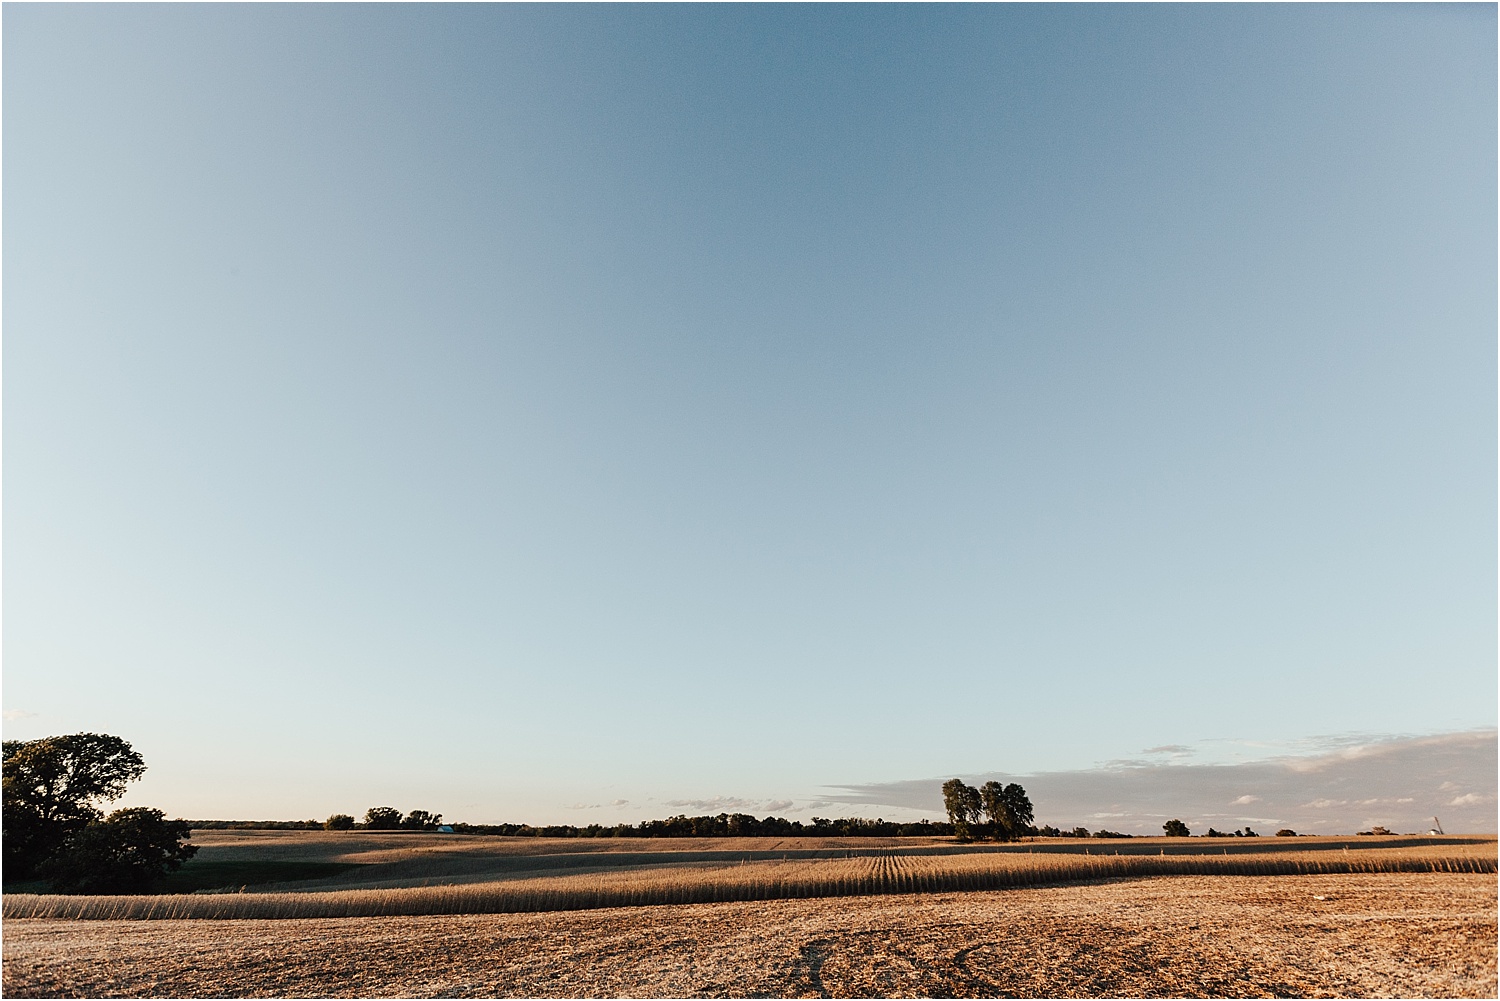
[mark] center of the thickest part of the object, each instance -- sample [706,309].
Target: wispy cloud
[597,806]
[737,804]
[11,714]
[718,804]
[1341,784]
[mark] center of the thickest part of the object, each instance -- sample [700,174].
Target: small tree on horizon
[339,822]
[1176,829]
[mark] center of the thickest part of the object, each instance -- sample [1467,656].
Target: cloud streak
[718,804]
[1398,782]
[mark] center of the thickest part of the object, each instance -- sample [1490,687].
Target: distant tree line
[1048,831]
[377,818]
[723,825]
[1177,829]
[256,825]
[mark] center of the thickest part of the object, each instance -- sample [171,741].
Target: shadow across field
[210,874]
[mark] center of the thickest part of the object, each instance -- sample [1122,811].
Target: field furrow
[759,880]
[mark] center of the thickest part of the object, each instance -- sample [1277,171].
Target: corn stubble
[1351,935]
[885,874]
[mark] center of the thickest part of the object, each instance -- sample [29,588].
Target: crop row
[776,880]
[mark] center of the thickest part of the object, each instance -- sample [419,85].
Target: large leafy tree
[992,794]
[127,852]
[1008,809]
[964,804]
[51,788]
[1019,813]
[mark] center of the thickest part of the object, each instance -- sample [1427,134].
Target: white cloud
[619,802]
[777,804]
[18,714]
[1468,799]
[1342,784]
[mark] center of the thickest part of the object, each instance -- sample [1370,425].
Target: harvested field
[1361,934]
[688,877]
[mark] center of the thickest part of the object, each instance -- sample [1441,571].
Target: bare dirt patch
[1359,935]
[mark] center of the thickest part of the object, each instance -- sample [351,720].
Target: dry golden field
[441,916]
[1361,935]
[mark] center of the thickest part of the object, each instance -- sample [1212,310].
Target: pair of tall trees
[388,818]
[54,829]
[1006,809]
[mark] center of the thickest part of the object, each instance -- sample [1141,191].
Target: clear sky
[585,413]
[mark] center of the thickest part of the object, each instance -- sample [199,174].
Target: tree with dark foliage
[963,803]
[54,829]
[1176,829]
[421,820]
[992,794]
[51,786]
[1018,812]
[127,852]
[382,818]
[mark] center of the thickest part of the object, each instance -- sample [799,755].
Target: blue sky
[557,413]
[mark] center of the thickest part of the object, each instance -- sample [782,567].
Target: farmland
[425,915]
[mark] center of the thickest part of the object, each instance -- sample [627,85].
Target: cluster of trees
[1000,812]
[386,818]
[1177,829]
[1048,831]
[54,830]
